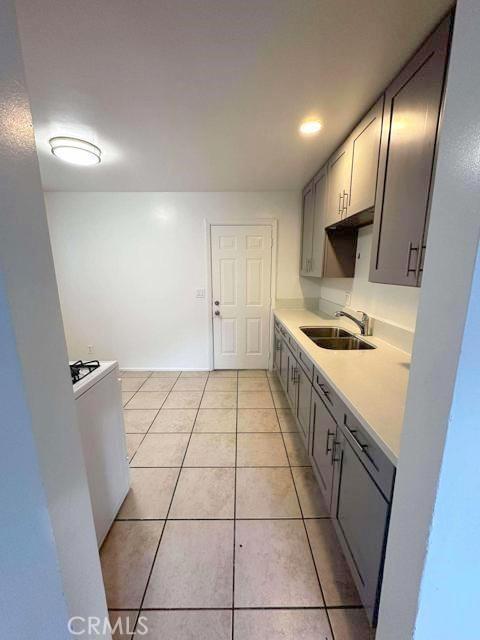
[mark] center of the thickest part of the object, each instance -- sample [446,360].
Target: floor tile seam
[307,537]
[256,608]
[165,524]
[235,513]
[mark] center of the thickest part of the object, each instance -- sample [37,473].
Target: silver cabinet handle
[411,249]
[345,203]
[361,447]
[421,259]
[340,205]
[333,459]
[327,441]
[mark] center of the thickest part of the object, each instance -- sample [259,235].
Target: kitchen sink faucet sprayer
[365,324]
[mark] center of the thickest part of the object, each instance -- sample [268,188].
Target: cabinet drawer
[328,395]
[305,363]
[375,461]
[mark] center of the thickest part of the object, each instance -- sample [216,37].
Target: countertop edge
[391,455]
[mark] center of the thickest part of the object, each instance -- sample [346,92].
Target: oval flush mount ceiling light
[75,151]
[310,127]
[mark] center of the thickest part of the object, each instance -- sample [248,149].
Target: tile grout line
[234,516]
[352,607]
[145,434]
[235,519]
[306,533]
[167,514]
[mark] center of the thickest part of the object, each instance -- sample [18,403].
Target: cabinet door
[292,381]
[284,364]
[362,518]
[365,149]
[307,229]
[338,183]
[323,428]
[277,351]
[320,193]
[304,395]
[409,134]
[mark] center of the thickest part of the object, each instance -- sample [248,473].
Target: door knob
[217,313]
[216,303]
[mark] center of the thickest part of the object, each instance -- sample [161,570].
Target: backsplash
[390,304]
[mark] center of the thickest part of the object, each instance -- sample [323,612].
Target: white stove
[98,400]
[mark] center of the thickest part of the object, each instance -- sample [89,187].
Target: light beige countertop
[371,383]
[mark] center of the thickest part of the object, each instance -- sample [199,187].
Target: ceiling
[207,95]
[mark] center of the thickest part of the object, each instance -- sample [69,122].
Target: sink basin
[342,344]
[326,332]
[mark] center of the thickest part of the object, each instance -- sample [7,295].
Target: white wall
[431,587]
[390,303]
[128,265]
[50,568]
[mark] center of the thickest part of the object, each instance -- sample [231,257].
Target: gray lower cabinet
[304,395]
[292,380]
[360,515]
[283,369]
[354,476]
[322,437]
[277,353]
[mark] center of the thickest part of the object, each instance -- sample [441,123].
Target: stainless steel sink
[326,332]
[335,338]
[343,344]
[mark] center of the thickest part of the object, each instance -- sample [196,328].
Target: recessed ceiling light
[310,127]
[75,151]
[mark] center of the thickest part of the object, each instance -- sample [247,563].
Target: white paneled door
[241,272]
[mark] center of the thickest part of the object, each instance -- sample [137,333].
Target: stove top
[80,369]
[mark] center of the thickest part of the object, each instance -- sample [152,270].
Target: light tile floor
[224,534]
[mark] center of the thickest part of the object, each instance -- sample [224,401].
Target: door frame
[245,222]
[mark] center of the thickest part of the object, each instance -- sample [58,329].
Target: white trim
[270,222]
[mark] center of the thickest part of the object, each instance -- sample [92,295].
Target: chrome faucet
[365,324]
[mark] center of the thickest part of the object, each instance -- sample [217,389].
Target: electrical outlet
[90,348]
[348,298]
[200,293]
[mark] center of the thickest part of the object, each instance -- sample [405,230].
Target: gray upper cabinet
[407,150]
[307,229]
[313,225]
[339,169]
[352,171]
[365,150]
[320,192]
